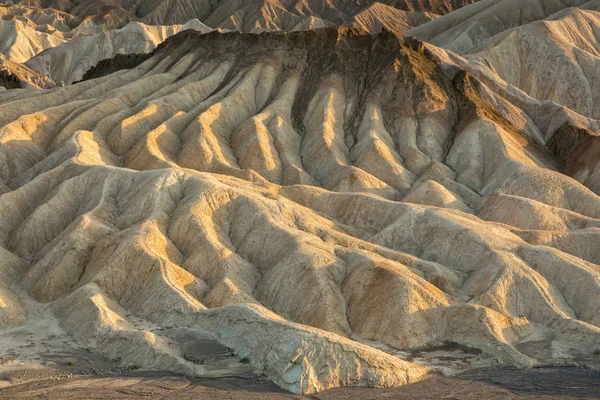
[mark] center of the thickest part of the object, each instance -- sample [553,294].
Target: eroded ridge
[308,199]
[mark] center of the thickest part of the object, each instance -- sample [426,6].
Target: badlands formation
[326,203]
[45,43]
[230,14]
[59,41]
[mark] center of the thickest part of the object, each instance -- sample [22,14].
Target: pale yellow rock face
[379,16]
[61,48]
[68,62]
[312,200]
[550,53]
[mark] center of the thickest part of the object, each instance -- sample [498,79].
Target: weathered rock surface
[20,42]
[548,49]
[26,31]
[54,48]
[247,16]
[380,16]
[68,62]
[307,199]
[469,27]
[61,41]
[17,76]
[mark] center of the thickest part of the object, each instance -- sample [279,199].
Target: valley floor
[482,384]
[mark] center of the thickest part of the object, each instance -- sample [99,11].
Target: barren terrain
[323,208]
[537,384]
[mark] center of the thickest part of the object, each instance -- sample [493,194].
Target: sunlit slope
[247,15]
[296,194]
[67,63]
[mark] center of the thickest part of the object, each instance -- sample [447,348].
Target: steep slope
[471,26]
[47,20]
[248,16]
[73,46]
[439,7]
[542,57]
[14,75]
[308,199]
[20,42]
[68,62]
[285,14]
[111,14]
[379,16]
[26,31]
[556,59]
[99,30]
[256,16]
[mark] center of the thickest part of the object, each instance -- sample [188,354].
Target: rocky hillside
[379,16]
[248,15]
[75,36]
[468,28]
[69,62]
[15,76]
[319,202]
[61,49]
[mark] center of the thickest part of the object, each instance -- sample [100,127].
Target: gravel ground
[482,384]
